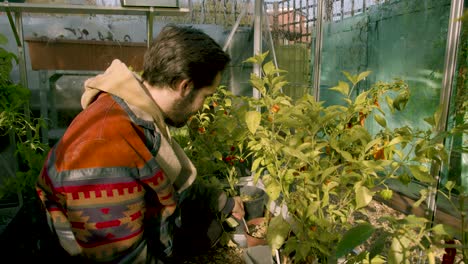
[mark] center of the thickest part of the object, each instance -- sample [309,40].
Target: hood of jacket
[122,82]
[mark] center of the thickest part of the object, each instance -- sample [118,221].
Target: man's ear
[185,87]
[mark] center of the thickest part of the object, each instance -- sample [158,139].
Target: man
[112,184]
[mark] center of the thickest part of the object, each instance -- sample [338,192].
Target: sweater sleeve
[215,198]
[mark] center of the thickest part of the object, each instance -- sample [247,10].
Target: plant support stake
[245,225]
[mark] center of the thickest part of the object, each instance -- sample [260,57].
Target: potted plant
[217,146]
[20,133]
[322,166]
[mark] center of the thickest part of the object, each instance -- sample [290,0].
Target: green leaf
[397,254]
[312,208]
[346,155]
[363,196]
[273,189]
[255,164]
[295,153]
[421,199]
[328,171]
[362,76]
[278,230]
[440,229]
[351,78]
[421,173]
[258,83]
[372,143]
[252,118]
[430,120]
[257,59]
[228,102]
[437,115]
[268,68]
[280,85]
[415,220]
[373,164]
[342,87]
[390,103]
[377,247]
[380,120]
[353,238]
[218,155]
[401,100]
[279,79]
[361,98]
[395,140]
[449,185]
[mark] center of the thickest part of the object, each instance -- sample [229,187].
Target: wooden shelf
[90,9]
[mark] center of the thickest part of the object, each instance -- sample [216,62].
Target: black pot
[254,199]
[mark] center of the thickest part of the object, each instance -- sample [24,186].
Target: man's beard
[186,102]
[172,123]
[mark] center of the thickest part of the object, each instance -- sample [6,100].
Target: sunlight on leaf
[362,76]
[380,120]
[278,230]
[363,196]
[342,87]
[421,173]
[253,120]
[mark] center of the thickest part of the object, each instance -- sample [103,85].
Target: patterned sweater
[113,171]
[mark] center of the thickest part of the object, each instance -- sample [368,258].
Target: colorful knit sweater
[114,169]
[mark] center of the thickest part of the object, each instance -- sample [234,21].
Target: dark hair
[180,53]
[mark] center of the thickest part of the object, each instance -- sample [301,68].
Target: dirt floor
[232,254]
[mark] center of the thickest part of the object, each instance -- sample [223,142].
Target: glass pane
[397,39]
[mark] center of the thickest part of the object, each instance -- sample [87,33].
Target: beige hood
[120,81]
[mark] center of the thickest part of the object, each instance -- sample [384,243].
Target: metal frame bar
[234,29]
[257,49]
[318,50]
[270,38]
[453,40]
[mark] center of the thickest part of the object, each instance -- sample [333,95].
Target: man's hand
[238,210]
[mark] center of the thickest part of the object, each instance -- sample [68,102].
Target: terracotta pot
[83,55]
[244,240]
[255,241]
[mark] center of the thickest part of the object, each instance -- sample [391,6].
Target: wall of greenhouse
[398,39]
[401,39]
